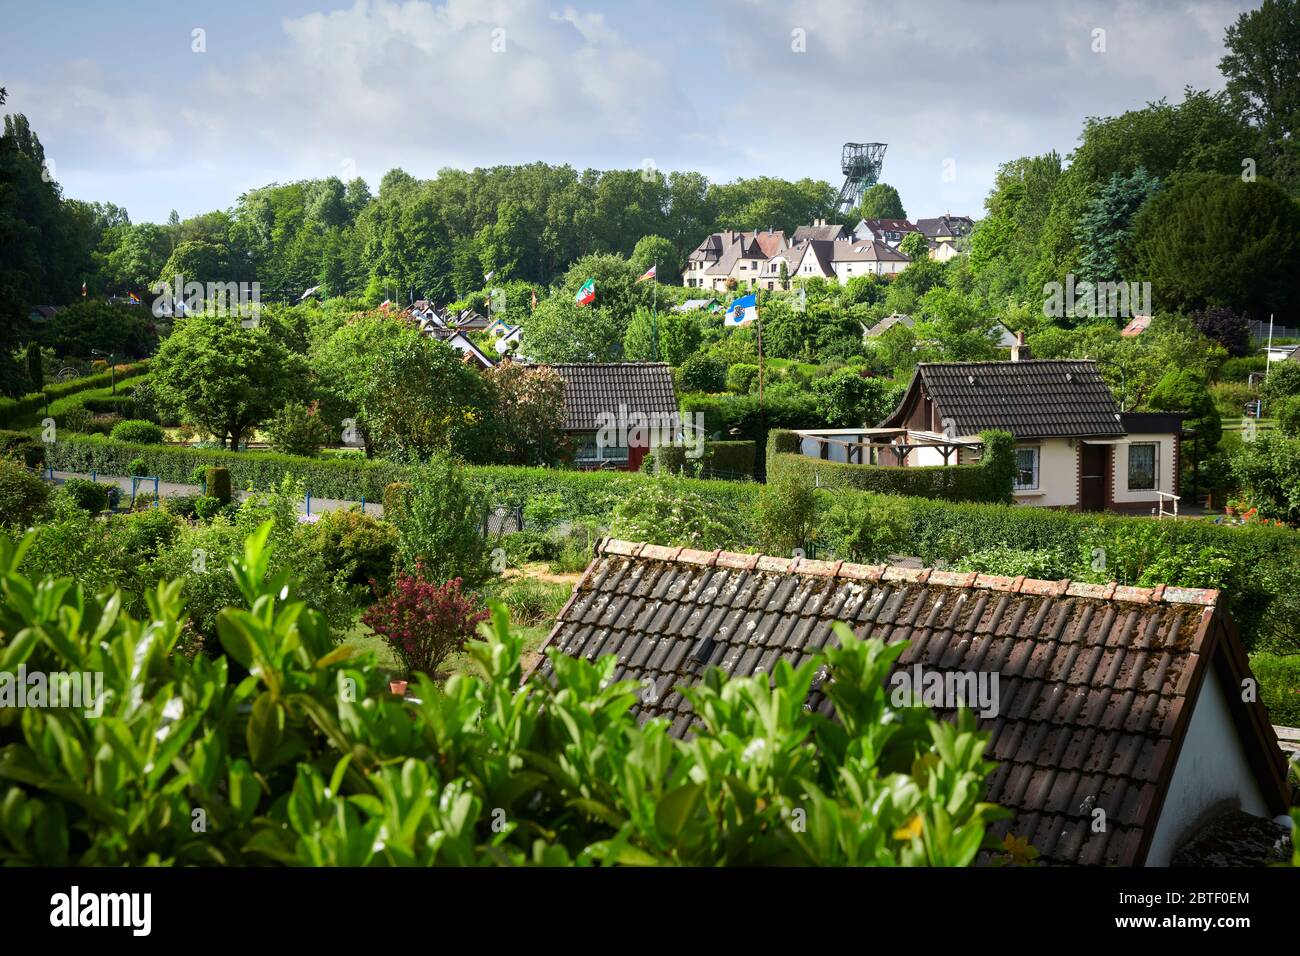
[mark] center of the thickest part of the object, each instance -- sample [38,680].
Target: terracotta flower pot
[398,687]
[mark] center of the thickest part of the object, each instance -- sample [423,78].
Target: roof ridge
[966,580]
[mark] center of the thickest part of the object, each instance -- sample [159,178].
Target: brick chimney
[1020,351]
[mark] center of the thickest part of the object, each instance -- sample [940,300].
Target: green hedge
[12,409]
[741,417]
[730,457]
[988,481]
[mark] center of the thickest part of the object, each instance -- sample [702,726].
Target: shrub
[394,500]
[1287,413]
[87,494]
[1268,470]
[442,525]
[669,515]
[123,405]
[532,602]
[729,459]
[144,535]
[742,378]
[26,448]
[574,546]
[1279,682]
[787,514]
[298,429]
[139,468]
[207,507]
[22,494]
[1044,564]
[424,623]
[864,530]
[217,483]
[357,550]
[1239,369]
[702,373]
[523,547]
[182,506]
[138,431]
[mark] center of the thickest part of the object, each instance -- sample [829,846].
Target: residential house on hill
[889,231]
[731,255]
[1074,448]
[1118,729]
[852,259]
[946,228]
[887,323]
[597,395]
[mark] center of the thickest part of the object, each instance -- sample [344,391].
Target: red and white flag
[648,274]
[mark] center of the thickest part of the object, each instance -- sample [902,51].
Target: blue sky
[130,112]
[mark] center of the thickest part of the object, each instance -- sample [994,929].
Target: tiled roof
[1095,682]
[888,322]
[945,226]
[868,251]
[1052,398]
[590,389]
[826,231]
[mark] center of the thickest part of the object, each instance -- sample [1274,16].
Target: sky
[174,104]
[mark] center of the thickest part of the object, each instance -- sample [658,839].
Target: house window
[589,452]
[1026,478]
[1142,466]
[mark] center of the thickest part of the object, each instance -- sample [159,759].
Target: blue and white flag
[742,311]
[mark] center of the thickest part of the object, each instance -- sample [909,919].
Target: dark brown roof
[1050,398]
[590,389]
[1095,682]
[828,232]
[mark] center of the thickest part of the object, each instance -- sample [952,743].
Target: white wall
[1165,480]
[1057,475]
[1212,771]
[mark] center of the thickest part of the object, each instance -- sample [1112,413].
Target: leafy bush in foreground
[306,761]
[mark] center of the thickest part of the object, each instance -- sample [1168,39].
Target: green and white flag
[587,294]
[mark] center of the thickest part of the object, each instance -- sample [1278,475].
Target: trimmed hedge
[732,457]
[1264,599]
[216,481]
[12,409]
[988,481]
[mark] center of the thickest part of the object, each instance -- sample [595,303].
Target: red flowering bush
[424,623]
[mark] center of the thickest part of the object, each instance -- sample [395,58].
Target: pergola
[877,446]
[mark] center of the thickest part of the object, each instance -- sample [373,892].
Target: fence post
[363,504]
[308,504]
[155,492]
[92,476]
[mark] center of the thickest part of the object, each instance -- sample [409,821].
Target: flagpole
[654,313]
[758,320]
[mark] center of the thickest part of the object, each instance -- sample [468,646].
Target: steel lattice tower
[860,163]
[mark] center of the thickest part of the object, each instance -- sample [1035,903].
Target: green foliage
[442,525]
[527,413]
[87,494]
[14,409]
[532,602]
[1279,682]
[742,378]
[22,494]
[1184,391]
[120,330]
[216,484]
[298,429]
[1239,369]
[664,513]
[291,771]
[880,201]
[702,373]
[730,459]
[1103,229]
[846,399]
[138,431]
[22,447]
[1044,564]
[1177,244]
[915,246]
[1268,471]
[139,468]
[864,530]
[1287,413]
[357,550]
[228,379]
[679,336]
[787,514]
[1283,381]
[989,480]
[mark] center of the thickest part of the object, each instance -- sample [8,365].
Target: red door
[1092,484]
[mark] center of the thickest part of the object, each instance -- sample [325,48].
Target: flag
[587,294]
[134,298]
[533,294]
[742,311]
[649,274]
[83,290]
[488,276]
